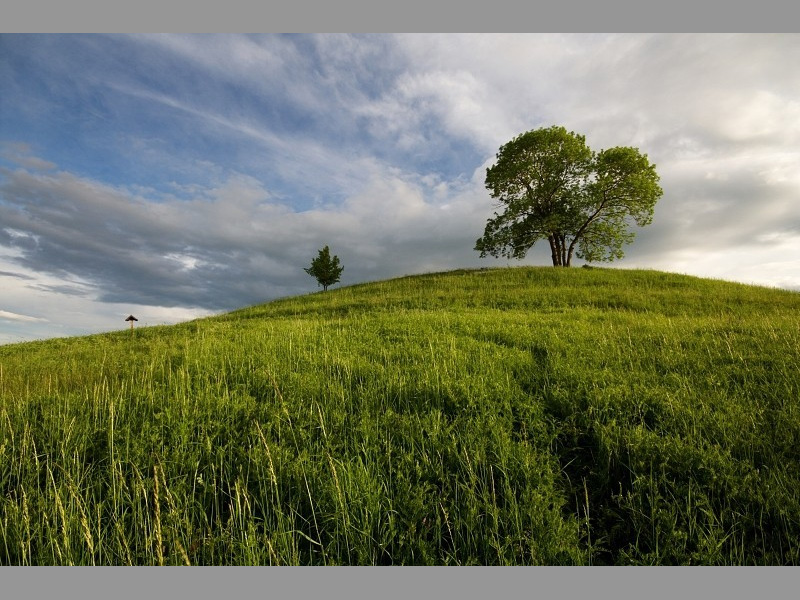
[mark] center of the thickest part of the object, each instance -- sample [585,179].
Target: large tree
[554,187]
[325,268]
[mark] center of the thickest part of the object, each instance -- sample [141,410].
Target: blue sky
[173,176]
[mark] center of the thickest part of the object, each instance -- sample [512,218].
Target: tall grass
[515,416]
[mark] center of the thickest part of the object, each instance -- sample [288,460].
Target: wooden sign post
[131,318]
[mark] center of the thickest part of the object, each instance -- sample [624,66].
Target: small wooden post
[131,318]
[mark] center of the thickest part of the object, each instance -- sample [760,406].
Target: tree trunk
[554,249]
[561,253]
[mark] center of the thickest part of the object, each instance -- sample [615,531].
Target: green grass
[510,416]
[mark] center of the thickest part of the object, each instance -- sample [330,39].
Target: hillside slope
[510,416]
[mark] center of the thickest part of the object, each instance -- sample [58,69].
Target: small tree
[325,268]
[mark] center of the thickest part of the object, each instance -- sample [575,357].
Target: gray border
[619,583]
[179,16]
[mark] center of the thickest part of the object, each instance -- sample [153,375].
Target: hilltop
[503,416]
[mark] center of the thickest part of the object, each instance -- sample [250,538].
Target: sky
[177,176]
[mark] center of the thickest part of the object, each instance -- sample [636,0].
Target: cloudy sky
[178,176]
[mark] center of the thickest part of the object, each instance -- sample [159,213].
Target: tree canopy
[325,268]
[553,186]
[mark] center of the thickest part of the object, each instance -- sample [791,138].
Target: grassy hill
[510,416]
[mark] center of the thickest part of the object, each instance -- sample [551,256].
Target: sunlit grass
[510,416]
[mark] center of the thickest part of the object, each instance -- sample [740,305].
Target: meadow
[519,416]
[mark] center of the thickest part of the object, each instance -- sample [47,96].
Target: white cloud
[11,316]
[19,153]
